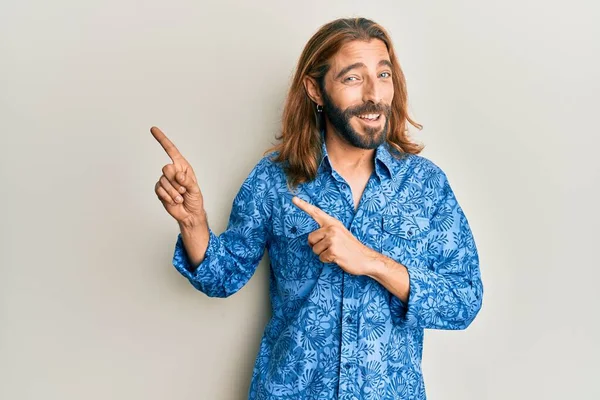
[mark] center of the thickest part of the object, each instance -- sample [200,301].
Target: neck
[345,158]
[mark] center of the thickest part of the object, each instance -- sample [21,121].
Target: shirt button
[349,319]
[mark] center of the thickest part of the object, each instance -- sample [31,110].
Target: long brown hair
[300,146]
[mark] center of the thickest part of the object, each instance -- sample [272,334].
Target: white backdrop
[90,306]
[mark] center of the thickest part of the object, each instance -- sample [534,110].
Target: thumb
[186,181]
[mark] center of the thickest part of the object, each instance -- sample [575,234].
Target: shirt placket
[348,343]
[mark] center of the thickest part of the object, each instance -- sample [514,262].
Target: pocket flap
[407,227]
[298,224]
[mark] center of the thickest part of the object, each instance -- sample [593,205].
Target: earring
[319,108]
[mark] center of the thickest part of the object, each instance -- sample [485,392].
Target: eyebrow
[361,65]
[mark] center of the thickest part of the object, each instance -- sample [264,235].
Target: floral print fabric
[334,335]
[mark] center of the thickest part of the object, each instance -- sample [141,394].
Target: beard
[340,119]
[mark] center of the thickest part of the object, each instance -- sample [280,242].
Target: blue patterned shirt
[333,335]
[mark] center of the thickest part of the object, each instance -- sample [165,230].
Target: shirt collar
[382,158]
[324,164]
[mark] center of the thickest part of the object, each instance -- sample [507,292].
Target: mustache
[369,108]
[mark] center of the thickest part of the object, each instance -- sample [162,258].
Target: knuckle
[167,169]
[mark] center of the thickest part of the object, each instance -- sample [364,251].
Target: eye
[385,73]
[350,77]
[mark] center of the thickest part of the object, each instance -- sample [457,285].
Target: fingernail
[182,189]
[178,199]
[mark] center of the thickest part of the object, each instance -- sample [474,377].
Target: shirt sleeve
[232,257]
[448,294]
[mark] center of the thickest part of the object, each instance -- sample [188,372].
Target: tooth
[369,116]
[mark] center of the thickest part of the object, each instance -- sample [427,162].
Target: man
[367,243]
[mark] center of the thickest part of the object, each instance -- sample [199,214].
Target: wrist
[193,223]
[374,264]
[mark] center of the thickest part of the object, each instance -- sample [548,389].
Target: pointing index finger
[166,144]
[316,213]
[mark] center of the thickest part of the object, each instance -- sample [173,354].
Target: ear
[312,88]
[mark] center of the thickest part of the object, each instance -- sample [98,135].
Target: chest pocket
[295,259]
[405,238]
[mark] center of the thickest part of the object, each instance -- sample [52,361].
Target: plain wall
[90,305]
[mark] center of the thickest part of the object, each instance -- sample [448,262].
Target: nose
[371,91]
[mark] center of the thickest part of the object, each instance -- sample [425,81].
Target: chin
[369,133]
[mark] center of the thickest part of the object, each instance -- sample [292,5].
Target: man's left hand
[333,243]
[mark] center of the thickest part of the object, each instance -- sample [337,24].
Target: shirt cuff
[409,312]
[181,261]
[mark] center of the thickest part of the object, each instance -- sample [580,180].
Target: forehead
[369,53]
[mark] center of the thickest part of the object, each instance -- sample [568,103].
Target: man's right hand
[177,188]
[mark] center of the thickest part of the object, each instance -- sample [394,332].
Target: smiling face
[358,92]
